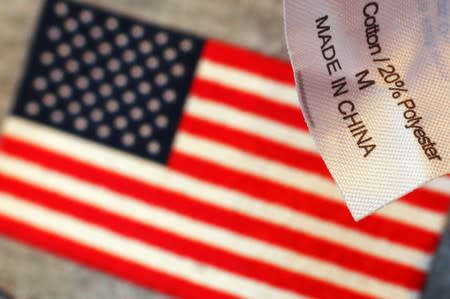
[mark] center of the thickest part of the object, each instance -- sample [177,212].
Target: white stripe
[249,123]
[154,174]
[272,90]
[186,227]
[135,251]
[441,185]
[294,178]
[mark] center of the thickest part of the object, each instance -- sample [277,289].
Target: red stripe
[206,254]
[305,202]
[428,199]
[103,261]
[249,103]
[246,60]
[241,224]
[253,144]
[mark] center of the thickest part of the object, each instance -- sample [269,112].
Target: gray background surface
[255,24]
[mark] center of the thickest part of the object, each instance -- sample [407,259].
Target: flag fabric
[182,164]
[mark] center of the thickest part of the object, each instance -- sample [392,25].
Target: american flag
[182,164]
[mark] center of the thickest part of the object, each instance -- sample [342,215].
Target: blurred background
[254,24]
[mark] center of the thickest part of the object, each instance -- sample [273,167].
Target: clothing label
[373,79]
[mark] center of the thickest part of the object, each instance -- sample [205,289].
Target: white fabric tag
[373,79]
